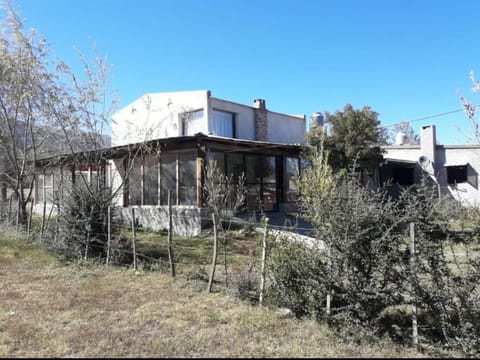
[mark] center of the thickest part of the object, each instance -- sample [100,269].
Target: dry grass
[52,310]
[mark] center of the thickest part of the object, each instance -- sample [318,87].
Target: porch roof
[198,141]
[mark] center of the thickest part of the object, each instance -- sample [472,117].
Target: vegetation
[53,309]
[351,137]
[404,127]
[362,270]
[45,109]
[224,197]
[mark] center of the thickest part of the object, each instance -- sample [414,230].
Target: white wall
[244,115]
[402,152]
[467,193]
[155,115]
[286,129]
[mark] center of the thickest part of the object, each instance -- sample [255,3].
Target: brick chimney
[261,120]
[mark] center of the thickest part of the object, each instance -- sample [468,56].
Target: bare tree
[470,110]
[47,110]
[224,196]
[26,94]
[409,135]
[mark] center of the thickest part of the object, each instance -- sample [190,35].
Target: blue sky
[407,59]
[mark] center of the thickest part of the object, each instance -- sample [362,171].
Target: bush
[297,278]
[366,266]
[243,283]
[82,225]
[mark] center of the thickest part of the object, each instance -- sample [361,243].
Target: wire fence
[142,249]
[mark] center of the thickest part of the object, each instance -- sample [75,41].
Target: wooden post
[264,258]
[109,233]
[18,215]
[170,231]
[414,297]
[57,220]
[89,229]
[44,211]
[29,223]
[225,266]
[9,209]
[214,259]
[329,292]
[134,239]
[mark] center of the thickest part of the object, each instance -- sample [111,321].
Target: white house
[161,142]
[454,168]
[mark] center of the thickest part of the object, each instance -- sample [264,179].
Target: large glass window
[48,187]
[223,123]
[218,157]
[40,184]
[168,180]
[253,168]
[261,181]
[292,167]
[135,183]
[235,165]
[187,168]
[150,180]
[269,182]
[45,187]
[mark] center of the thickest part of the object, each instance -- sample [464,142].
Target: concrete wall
[186,221]
[244,116]
[467,193]
[286,129]
[117,175]
[156,115]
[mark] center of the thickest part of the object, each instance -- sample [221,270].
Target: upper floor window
[223,123]
[192,122]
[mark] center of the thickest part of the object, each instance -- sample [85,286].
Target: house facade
[454,168]
[160,145]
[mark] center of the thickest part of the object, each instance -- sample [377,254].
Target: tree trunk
[214,259]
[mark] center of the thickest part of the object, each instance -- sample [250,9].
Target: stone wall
[185,221]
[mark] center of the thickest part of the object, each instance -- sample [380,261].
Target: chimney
[428,141]
[261,120]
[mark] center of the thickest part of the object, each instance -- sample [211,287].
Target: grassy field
[50,309]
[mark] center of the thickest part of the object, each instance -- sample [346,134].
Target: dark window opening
[456,174]
[403,176]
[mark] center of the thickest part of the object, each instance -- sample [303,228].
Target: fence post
[57,227]
[414,296]
[264,258]
[44,212]
[89,229]
[329,290]
[170,230]
[214,260]
[18,216]
[29,223]
[109,233]
[9,209]
[134,234]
